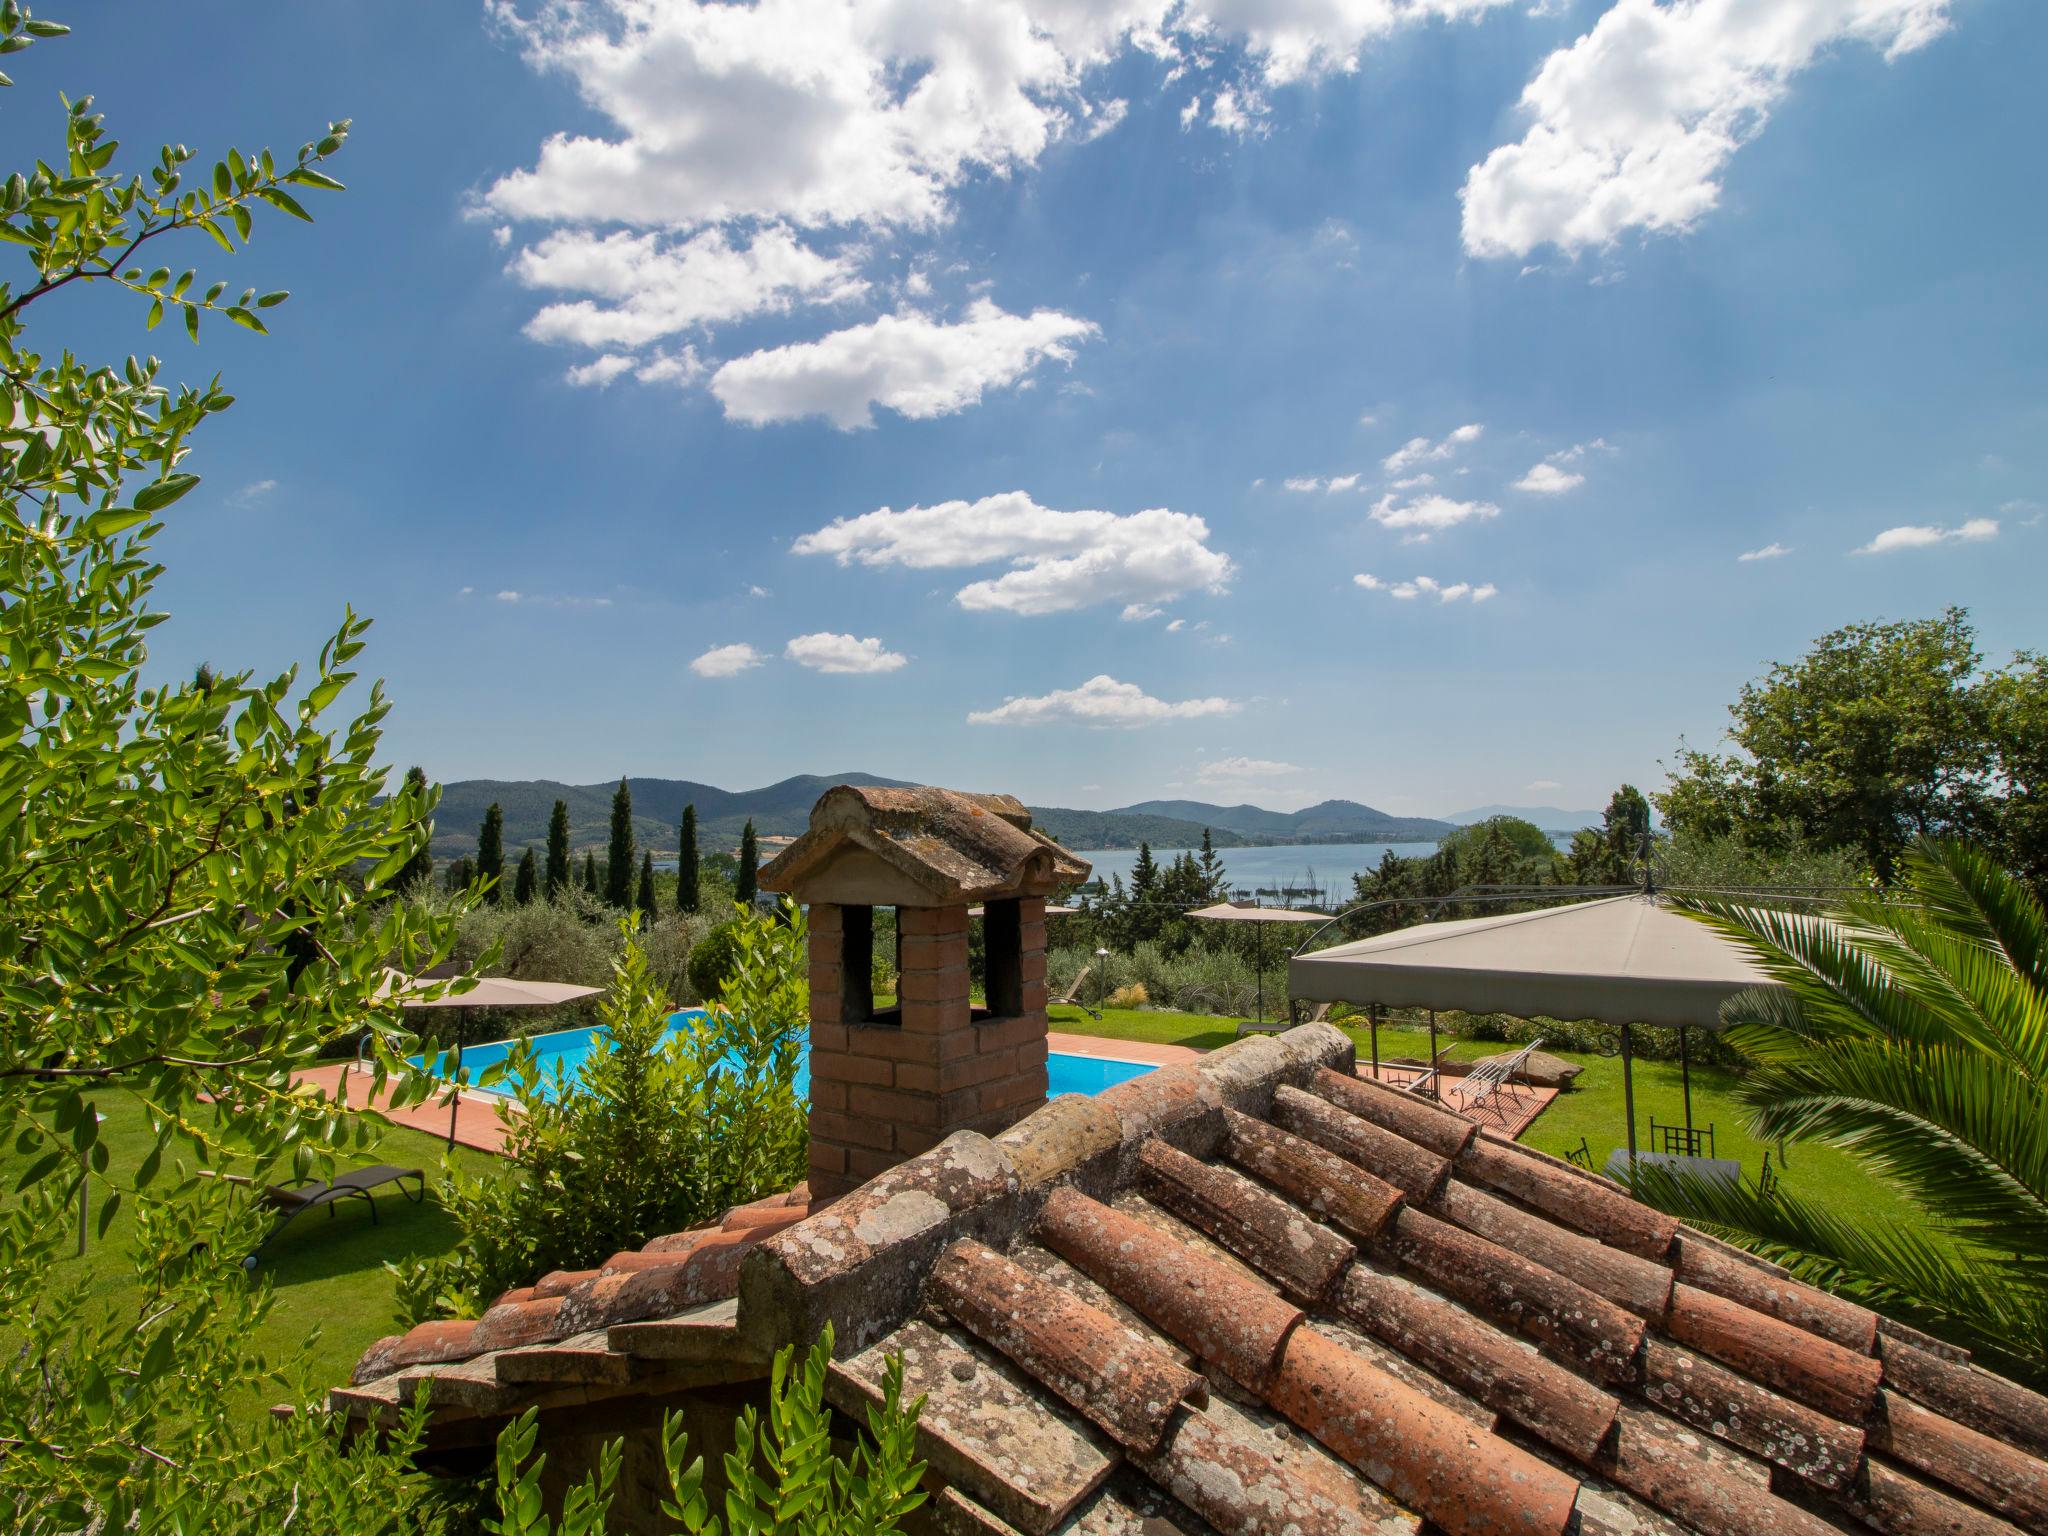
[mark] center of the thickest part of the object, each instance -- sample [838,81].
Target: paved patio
[471,1122]
[1511,1113]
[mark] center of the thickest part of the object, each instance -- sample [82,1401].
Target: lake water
[1322,866]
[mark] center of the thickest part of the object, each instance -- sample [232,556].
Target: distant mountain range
[784,808]
[1548,817]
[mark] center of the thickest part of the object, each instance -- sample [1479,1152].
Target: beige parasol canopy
[1623,960]
[489,992]
[1252,912]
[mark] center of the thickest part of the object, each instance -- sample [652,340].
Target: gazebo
[1624,960]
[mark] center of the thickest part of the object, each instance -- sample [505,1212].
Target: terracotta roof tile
[452,1339]
[1255,1224]
[1889,1500]
[1586,1329]
[1637,1284]
[1973,1397]
[1320,1181]
[1796,1362]
[1662,1463]
[1994,1474]
[1387,1155]
[1407,1115]
[1462,1479]
[1232,1325]
[511,1324]
[559,1282]
[1712,1266]
[1544,1398]
[1087,1357]
[1591,1206]
[1802,1440]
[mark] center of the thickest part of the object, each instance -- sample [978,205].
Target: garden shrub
[663,1130]
[711,961]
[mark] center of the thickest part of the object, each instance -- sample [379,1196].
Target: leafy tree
[643,897]
[490,853]
[812,1488]
[748,885]
[618,884]
[194,883]
[461,874]
[712,961]
[558,850]
[591,883]
[1880,734]
[687,870]
[1514,840]
[419,869]
[526,884]
[662,1129]
[1912,1033]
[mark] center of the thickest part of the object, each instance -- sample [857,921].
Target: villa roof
[919,845]
[1257,1293]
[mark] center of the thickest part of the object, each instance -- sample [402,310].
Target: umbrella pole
[1628,1093]
[454,1097]
[1435,1089]
[1259,970]
[1685,1072]
[1373,1015]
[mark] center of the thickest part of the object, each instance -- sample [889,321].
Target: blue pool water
[567,1049]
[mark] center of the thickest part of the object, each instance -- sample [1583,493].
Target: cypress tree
[420,867]
[644,897]
[618,872]
[526,885]
[745,888]
[490,852]
[687,871]
[590,873]
[1212,868]
[558,850]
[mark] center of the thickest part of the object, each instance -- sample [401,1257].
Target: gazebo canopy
[1622,960]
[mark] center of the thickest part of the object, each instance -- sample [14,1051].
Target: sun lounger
[1490,1077]
[295,1199]
[1072,996]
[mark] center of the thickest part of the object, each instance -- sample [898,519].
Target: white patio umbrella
[1623,960]
[1252,912]
[489,992]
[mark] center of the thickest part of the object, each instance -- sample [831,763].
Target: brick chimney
[888,1083]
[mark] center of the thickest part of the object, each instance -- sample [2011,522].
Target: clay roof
[1255,1293]
[958,847]
[655,1318]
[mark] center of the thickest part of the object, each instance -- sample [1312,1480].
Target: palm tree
[1911,1031]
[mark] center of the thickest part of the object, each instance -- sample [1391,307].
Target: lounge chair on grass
[1072,996]
[302,1195]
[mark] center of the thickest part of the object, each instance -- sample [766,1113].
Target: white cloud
[1424,586]
[2026,513]
[1632,125]
[1419,450]
[551,599]
[1429,513]
[651,289]
[1410,482]
[250,494]
[1175,626]
[1303,483]
[1102,703]
[682,367]
[758,591]
[1546,479]
[910,363]
[826,652]
[726,661]
[1139,613]
[1771,551]
[1243,770]
[1367,419]
[1920,536]
[1541,786]
[1060,561]
[1294,39]
[1309,483]
[1343,483]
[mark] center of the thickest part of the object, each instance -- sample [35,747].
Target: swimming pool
[567,1049]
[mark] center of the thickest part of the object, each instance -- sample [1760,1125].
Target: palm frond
[1975,897]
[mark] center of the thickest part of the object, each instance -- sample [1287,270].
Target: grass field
[326,1274]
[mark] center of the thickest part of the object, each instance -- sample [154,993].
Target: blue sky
[955,361]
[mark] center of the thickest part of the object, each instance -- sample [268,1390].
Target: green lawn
[326,1273]
[1592,1110]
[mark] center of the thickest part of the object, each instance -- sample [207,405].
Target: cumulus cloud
[1424,586]
[726,661]
[1420,450]
[910,363]
[1102,703]
[1060,561]
[826,652]
[1920,536]
[1546,479]
[1772,551]
[678,367]
[1428,514]
[1632,125]
[1303,483]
